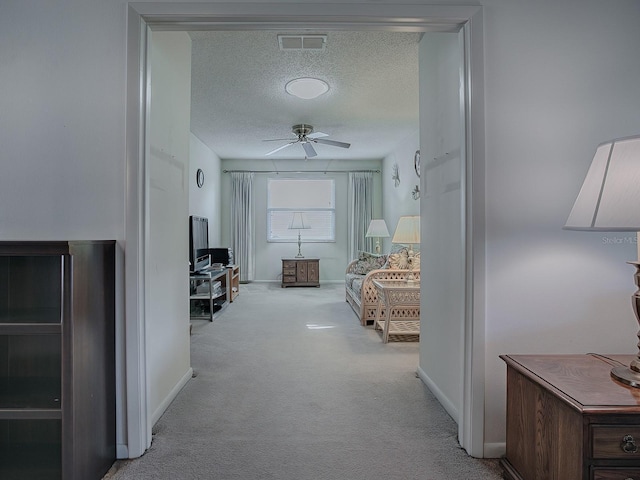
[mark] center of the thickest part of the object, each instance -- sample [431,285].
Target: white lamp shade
[407,230]
[299,221]
[609,199]
[377,228]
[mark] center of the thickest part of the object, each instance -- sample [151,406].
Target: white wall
[442,258]
[560,78]
[167,304]
[560,75]
[333,255]
[205,201]
[62,123]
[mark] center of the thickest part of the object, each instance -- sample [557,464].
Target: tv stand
[207,305]
[234,275]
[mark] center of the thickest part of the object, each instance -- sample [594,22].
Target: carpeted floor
[289,386]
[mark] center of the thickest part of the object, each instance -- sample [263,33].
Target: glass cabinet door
[31,313]
[31,289]
[30,371]
[31,449]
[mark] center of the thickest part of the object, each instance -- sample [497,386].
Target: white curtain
[242,221]
[360,212]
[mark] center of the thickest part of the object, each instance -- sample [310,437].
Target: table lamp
[609,201]
[299,222]
[377,229]
[408,232]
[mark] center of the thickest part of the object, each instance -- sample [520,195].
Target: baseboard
[322,282]
[490,450]
[172,395]
[442,398]
[495,450]
[122,450]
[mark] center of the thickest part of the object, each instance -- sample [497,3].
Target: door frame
[143,16]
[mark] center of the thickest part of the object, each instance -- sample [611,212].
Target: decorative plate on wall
[199,178]
[416,162]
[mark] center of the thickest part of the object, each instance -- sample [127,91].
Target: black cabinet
[57,360]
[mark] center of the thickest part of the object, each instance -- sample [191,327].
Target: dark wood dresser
[567,419]
[300,272]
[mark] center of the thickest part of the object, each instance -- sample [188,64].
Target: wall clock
[416,162]
[199,178]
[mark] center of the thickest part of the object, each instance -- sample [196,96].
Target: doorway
[144,17]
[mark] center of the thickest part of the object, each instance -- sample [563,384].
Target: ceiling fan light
[307,87]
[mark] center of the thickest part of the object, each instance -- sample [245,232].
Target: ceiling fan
[306,138]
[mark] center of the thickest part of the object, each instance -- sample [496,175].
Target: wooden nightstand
[567,419]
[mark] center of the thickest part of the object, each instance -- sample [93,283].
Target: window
[314,198]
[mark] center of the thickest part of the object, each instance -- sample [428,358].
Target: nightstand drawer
[616,474]
[616,441]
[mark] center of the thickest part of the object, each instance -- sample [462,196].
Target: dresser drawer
[288,279]
[615,474]
[289,271]
[616,441]
[288,264]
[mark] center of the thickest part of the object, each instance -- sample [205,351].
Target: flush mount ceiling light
[307,87]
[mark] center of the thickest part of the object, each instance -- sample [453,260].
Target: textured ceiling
[238,97]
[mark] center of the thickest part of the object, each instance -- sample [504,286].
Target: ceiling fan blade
[332,142]
[276,139]
[317,135]
[278,149]
[309,150]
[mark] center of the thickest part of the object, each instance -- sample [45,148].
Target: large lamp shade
[377,229]
[609,201]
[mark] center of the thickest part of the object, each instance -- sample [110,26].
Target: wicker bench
[361,293]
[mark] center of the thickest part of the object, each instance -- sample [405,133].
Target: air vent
[302,42]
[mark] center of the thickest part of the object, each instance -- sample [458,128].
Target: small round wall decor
[199,178]
[416,162]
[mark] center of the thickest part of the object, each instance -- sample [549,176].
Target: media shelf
[57,360]
[235,281]
[206,304]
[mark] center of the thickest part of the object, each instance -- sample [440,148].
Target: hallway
[287,385]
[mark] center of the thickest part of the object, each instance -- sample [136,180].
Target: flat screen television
[199,258]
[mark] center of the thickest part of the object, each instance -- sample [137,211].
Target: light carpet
[289,386]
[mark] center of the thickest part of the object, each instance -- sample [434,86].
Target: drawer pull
[628,445]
